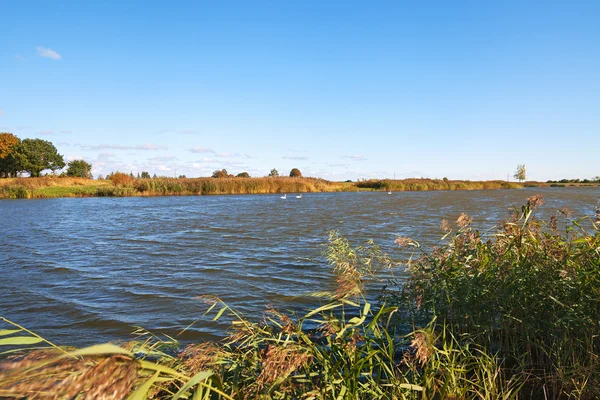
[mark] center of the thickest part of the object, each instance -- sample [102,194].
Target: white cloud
[355,157]
[46,132]
[20,58]
[68,131]
[338,165]
[202,150]
[299,158]
[75,157]
[149,147]
[48,53]
[1,111]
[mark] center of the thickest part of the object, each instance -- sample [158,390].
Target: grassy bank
[47,187]
[511,316]
[123,185]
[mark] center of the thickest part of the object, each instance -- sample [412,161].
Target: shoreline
[59,187]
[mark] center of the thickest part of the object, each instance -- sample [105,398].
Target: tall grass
[121,184]
[530,293]
[433,184]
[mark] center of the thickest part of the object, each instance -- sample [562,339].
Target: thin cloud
[46,132]
[338,165]
[223,154]
[146,147]
[163,159]
[48,53]
[202,150]
[299,158]
[355,157]
[20,58]
[22,128]
[1,111]
[68,131]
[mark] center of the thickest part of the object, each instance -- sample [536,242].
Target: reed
[528,293]
[121,185]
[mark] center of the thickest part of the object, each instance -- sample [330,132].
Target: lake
[88,270]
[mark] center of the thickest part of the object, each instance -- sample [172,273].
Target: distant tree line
[33,156]
[295,172]
[595,179]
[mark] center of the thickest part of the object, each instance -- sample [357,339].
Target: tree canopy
[243,175]
[274,172]
[220,174]
[80,168]
[36,155]
[520,173]
[8,143]
[295,173]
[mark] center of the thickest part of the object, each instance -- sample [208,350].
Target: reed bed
[513,315]
[123,185]
[433,184]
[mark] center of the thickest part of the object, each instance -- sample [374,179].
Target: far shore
[53,187]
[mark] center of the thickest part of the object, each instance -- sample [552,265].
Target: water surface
[83,271]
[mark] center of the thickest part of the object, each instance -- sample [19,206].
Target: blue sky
[340,90]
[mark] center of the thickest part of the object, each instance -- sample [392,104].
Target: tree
[80,168]
[273,172]
[145,175]
[36,155]
[520,173]
[243,175]
[220,174]
[8,144]
[295,173]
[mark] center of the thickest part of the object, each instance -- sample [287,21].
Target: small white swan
[390,192]
[299,196]
[284,196]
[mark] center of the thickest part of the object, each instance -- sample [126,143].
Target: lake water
[84,271]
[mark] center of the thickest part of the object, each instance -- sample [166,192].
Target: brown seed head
[535,201]
[464,220]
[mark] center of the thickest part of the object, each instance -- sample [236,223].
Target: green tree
[295,173]
[520,173]
[36,155]
[8,164]
[145,175]
[79,168]
[243,175]
[274,172]
[220,174]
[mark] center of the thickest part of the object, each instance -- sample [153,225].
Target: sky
[339,89]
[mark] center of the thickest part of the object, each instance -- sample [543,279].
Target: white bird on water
[284,196]
[299,196]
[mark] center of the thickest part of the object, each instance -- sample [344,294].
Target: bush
[120,178]
[295,173]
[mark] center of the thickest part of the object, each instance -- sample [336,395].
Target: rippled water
[83,271]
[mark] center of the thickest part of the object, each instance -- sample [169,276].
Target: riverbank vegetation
[509,315]
[121,185]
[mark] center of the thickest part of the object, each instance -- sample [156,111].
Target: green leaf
[5,332]
[19,340]
[199,377]
[411,387]
[100,349]
[141,393]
